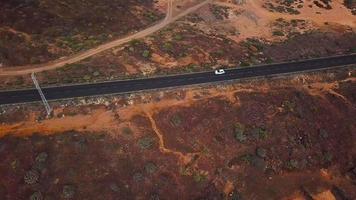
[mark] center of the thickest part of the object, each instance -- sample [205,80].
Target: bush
[137,177]
[42,157]
[176,120]
[260,133]
[150,168]
[178,37]
[31,177]
[145,143]
[134,42]
[68,191]
[240,133]
[36,196]
[126,131]
[199,177]
[292,164]
[244,64]
[146,54]
[247,158]
[278,33]
[167,46]
[261,152]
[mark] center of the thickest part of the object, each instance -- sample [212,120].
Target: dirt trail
[22,70]
[185,159]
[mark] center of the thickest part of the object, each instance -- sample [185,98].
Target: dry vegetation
[223,33]
[242,140]
[37,31]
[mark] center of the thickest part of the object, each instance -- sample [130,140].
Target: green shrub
[247,158]
[31,177]
[176,120]
[146,54]
[260,133]
[199,177]
[145,143]
[36,196]
[167,46]
[178,37]
[261,152]
[68,191]
[134,42]
[239,132]
[244,64]
[150,168]
[278,33]
[126,131]
[292,164]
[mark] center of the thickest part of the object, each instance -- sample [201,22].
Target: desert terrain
[219,33]
[288,137]
[276,138]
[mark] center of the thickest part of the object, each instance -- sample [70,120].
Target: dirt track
[21,70]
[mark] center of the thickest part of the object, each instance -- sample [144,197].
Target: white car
[219,71]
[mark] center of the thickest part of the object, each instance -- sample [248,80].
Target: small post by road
[44,100]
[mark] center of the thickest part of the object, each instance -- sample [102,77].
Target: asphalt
[97,89]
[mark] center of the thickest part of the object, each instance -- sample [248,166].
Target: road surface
[55,93]
[22,70]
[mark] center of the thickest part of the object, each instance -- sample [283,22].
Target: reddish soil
[236,141]
[221,34]
[311,45]
[36,31]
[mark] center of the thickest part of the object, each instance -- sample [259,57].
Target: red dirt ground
[287,138]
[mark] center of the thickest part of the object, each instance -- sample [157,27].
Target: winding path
[22,70]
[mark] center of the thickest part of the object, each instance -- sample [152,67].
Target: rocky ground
[275,138]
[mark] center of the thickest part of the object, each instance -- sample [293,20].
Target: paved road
[22,96]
